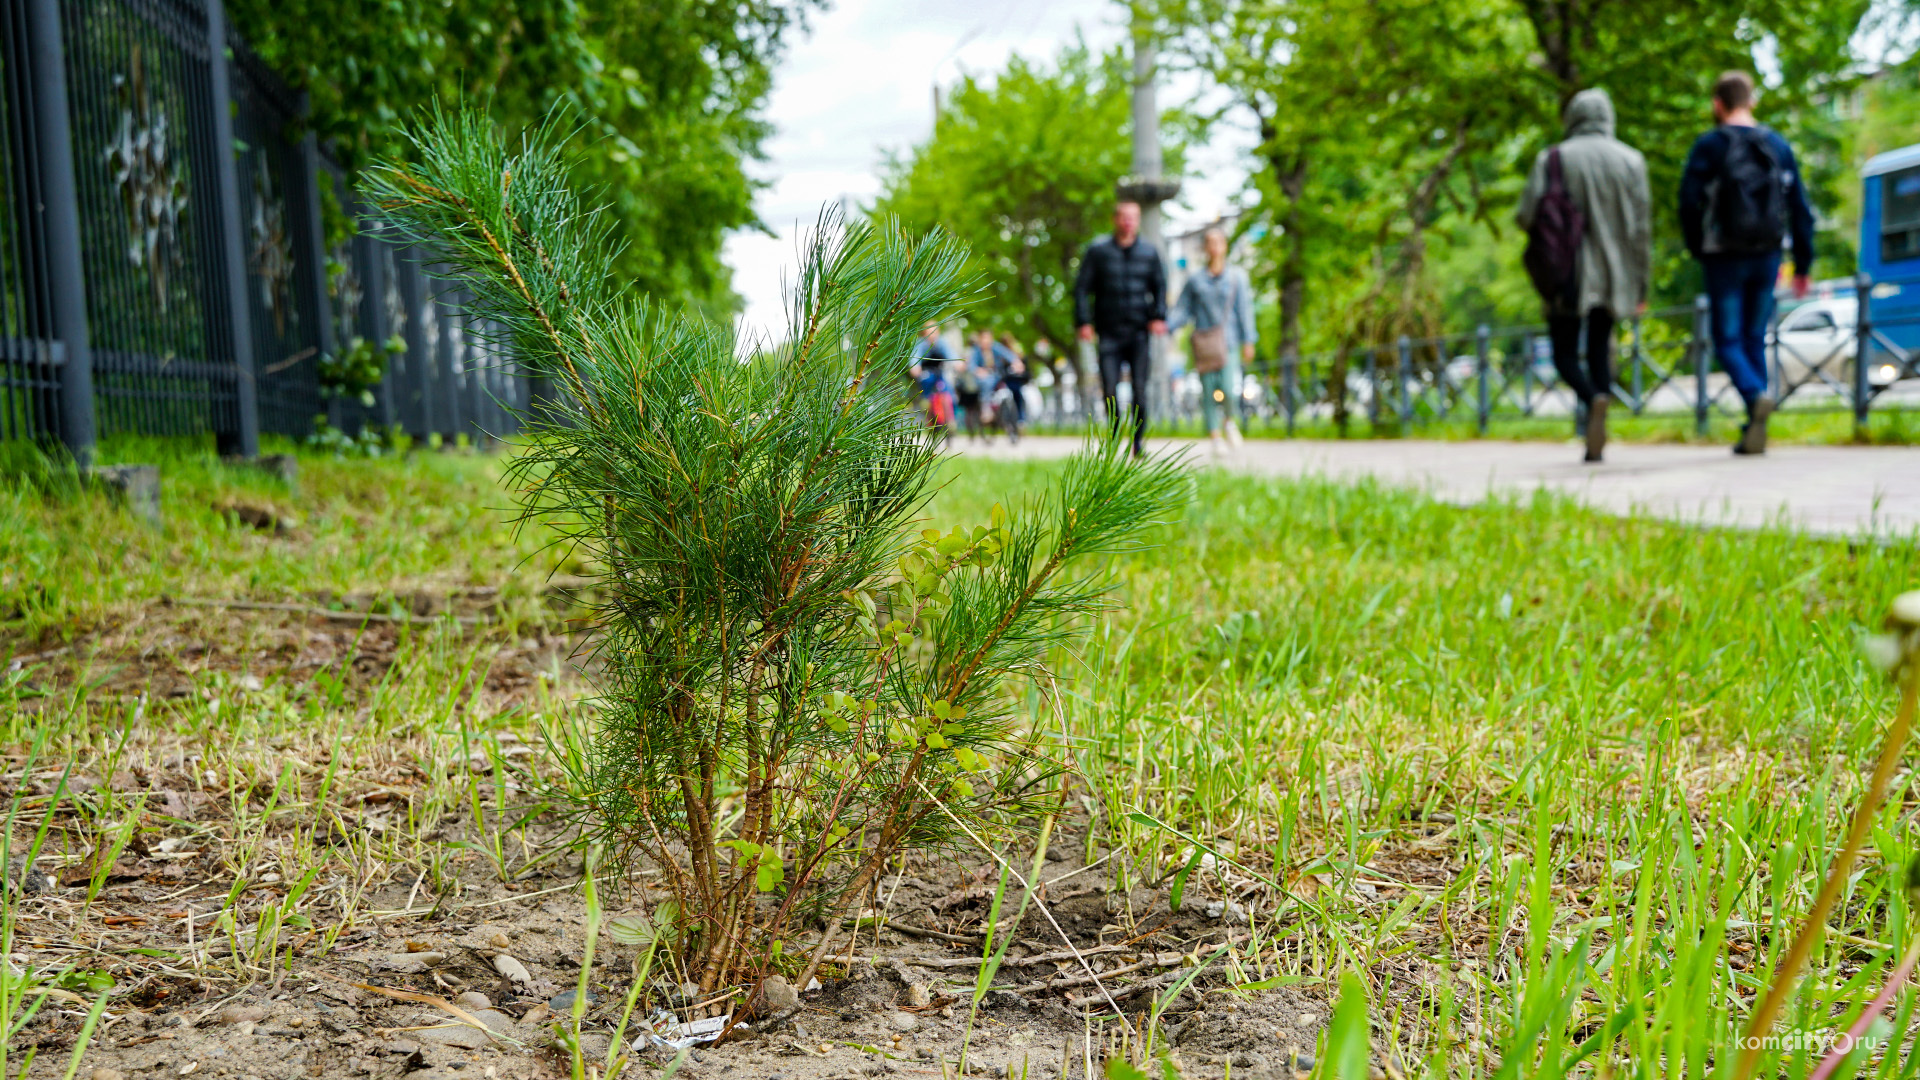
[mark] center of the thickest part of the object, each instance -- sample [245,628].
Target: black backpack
[1747,212]
[1553,243]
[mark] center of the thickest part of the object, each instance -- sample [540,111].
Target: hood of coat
[1589,113]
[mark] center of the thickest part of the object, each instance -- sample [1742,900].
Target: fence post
[1639,400]
[1290,385]
[1482,342]
[1702,341]
[313,227]
[1402,369]
[1526,376]
[1862,354]
[58,210]
[1372,369]
[230,260]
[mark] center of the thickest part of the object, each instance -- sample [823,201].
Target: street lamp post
[1147,186]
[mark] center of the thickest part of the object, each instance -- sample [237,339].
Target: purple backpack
[1553,243]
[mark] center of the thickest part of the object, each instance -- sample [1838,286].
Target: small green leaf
[630,929]
[937,741]
[1180,880]
[839,726]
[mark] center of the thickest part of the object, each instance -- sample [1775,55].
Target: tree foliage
[799,681]
[1384,124]
[666,95]
[1022,168]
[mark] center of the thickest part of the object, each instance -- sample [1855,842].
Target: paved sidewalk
[1824,489]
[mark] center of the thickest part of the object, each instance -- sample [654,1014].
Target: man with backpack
[1587,210]
[1740,198]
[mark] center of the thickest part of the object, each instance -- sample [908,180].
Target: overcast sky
[861,84]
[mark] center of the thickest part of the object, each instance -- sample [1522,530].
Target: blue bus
[1890,246]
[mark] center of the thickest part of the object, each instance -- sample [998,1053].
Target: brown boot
[1596,427]
[1754,439]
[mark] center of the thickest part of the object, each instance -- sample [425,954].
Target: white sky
[861,83]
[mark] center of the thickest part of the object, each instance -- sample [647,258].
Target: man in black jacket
[1121,295]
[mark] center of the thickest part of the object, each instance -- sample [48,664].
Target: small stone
[244,1027]
[918,994]
[494,1019]
[499,941]
[106,1074]
[903,1022]
[412,963]
[536,1014]
[241,1014]
[297,1022]
[473,999]
[30,880]
[1905,609]
[563,1002]
[137,487]
[779,993]
[513,969]
[460,1035]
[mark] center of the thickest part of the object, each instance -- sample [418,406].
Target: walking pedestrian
[1587,210]
[1121,296]
[927,368]
[988,361]
[1218,302]
[1015,373]
[1741,197]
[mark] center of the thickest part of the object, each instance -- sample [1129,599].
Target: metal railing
[163,262]
[1663,364]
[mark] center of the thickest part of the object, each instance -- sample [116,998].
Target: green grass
[73,561]
[1642,740]
[1541,778]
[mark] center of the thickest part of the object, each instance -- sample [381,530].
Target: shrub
[799,681]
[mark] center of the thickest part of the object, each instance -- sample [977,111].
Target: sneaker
[1754,439]
[1233,434]
[1596,429]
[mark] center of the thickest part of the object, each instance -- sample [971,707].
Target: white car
[1823,334]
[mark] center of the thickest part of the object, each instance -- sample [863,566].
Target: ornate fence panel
[164,268]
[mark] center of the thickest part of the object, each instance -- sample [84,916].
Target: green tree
[1388,125]
[666,94]
[800,683]
[1022,168]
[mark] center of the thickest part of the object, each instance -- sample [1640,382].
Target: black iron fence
[1834,354]
[164,267]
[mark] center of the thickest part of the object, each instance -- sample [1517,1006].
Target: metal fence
[163,262]
[1663,365]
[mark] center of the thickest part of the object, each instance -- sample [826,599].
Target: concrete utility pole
[1147,186]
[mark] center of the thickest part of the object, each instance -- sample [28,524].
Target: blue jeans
[1740,295]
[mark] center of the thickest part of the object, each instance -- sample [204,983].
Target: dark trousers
[1740,299]
[1133,352]
[1597,377]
